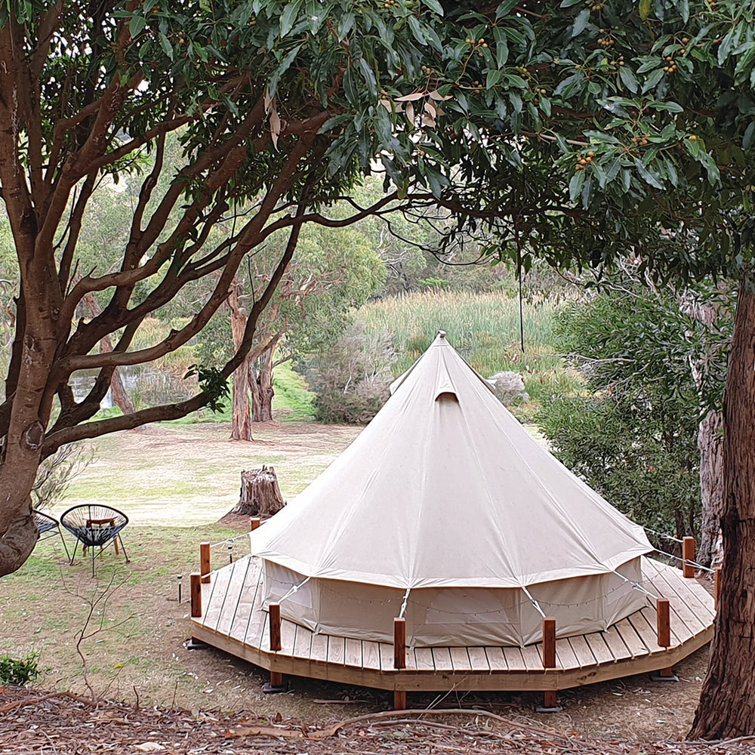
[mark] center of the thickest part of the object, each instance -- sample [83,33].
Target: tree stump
[260,495]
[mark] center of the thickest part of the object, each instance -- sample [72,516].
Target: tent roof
[445,488]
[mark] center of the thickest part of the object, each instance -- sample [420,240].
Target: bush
[351,379]
[18,672]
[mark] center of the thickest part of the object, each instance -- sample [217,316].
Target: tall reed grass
[483,328]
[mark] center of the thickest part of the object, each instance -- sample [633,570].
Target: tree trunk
[727,703]
[709,441]
[710,445]
[260,494]
[120,396]
[262,390]
[241,422]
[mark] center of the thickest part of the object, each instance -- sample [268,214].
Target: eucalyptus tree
[276,106]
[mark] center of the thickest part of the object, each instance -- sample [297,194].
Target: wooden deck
[233,620]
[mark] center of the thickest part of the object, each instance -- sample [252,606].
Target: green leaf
[136,24]
[165,44]
[652,80]
[580,22]
[506,7]
[289,16]
[369,76]
[629,79]
[345,25]
[576,184]
[434,6]
[501,46]
[749,136]
[647,175]
[416,29]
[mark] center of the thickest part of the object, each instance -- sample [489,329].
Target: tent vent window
[447,396]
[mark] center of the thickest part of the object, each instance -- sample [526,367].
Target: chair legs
[63,540]
[117,540]
[123,547]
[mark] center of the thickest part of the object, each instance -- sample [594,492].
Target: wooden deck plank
[598,647]
[386,656]
[319,648]
[615,644]
[442,659]
[689,591]
[231,603]
[371,655]
[478,659]
[496,658]
[584,656]
[231,596]
[460,659]
[423,659]
[514,659]
[211,611]
[648,632]
[288,636]
[533,656]
[336,649]
[565,657]
[631,639]
[353,652]
[693,596]
[245,607]
[303,643]
[248,628]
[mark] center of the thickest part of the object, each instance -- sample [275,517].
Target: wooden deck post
[399,644]
[664,622]
[550,700]
[399,699]
[663,613]
[549,642]
[276,677]
[204,562]
[196,595]
[275,626]
[688,554]
[718,584]
[254,522]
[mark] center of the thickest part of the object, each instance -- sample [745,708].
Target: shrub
[18,672]
[351,379]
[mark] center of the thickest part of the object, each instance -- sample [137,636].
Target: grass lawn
[177,474]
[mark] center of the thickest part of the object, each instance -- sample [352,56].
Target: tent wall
[453,616]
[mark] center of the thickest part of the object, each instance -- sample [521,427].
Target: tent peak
[441,334]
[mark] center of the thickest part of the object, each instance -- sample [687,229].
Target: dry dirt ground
[59,723]
[132,650]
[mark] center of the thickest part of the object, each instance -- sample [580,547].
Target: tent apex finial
[441,334]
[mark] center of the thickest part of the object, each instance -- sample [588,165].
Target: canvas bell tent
[447,512]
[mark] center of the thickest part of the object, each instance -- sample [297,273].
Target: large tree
[275,107]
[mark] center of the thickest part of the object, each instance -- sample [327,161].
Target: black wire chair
[48,527]
[95,527]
